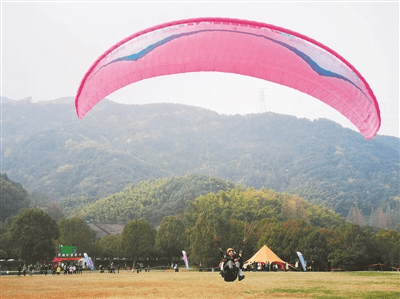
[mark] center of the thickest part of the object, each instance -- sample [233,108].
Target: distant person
[112,268]
[30,270]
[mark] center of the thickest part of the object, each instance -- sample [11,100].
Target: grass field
[188,284]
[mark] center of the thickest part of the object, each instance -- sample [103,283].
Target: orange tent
[264,255]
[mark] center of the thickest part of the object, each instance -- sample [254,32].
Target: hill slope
[49,150]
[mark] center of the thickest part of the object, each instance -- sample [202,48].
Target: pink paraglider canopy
[234,46]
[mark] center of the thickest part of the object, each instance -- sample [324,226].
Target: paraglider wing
[234,46]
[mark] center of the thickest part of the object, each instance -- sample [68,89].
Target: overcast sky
[47,47]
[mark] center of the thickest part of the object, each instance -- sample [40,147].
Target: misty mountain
[48,149]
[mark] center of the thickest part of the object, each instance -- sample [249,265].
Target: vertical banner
[303,263]
[89,261]
[185,259]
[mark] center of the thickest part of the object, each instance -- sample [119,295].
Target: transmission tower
[261,98]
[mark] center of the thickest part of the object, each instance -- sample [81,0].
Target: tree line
[151,200]
[285,223]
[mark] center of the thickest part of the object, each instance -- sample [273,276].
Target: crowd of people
[69,269]
[43,269]
[262,267]
[110,268]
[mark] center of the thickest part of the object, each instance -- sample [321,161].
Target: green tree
[201,247]
[5,245]
[233,216]
[138,238]
[32,233]
[3,254]
[13,197]
[323,217]
[170,239]
[220,216]
[76,232]
[355,248]
[389,246]
[285,238]
[316,248]
[110,246]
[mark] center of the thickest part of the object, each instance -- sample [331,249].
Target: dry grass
[184,284]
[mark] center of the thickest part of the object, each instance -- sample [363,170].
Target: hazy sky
[47,47]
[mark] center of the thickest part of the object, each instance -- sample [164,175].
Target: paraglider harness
[230,270]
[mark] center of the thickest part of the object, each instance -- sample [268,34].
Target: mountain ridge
[48,149]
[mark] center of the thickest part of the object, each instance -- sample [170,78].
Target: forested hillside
[239,217]
[151,200]
[13,197]
[49,150]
